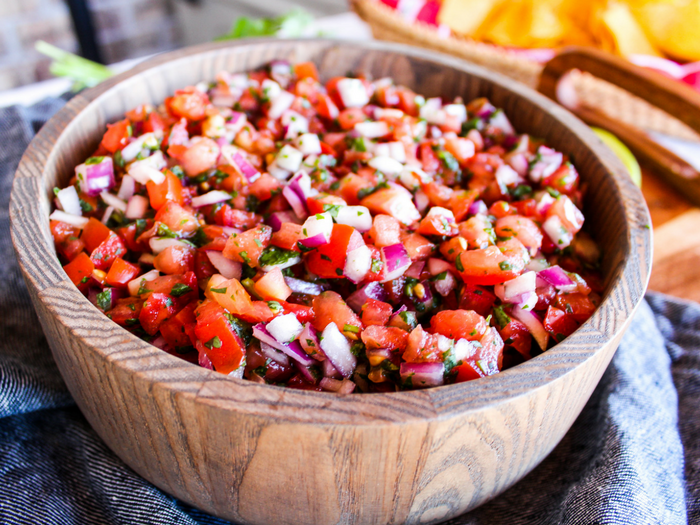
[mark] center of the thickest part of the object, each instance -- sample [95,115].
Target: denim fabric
[632,456]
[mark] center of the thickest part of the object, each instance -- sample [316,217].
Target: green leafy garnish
[180,289]
[104,299]
[291,25]
[83,72]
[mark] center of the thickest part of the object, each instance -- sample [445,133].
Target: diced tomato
[559,324]
[396,201]
[179,331]
[352,184]
[154,122]
[168,190]
[459,324]
[328,260]
[407,101]
[247,247]
[306,70]
[564,179]
[175,260]
[387,337]
[351,116]
[177,218]
[287,236]
[197,157]
[525,229]
[478,231]
[126,312]
[128,235]
[422,347]
[326,107]
[491,350]
[305,314]
[438,194]
[157,309]
[225,215]
[319,203]
[440,224]
[468,371]
[376,312]
[79,270]
[190,104]
[219,340]
[578,305]
[61,231]
[428,158]
[67,239]
[272,286]
[490,265]
[477,298]
[330,307]
[460,202]
[117,136]
[418,247]
[385,231]
[517,335]
[110,249]
[121,273]
[264,187]
[376,269]
[94,233]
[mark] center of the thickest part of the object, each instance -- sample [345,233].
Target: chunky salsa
[346,236]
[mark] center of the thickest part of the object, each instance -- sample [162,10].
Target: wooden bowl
[264,454]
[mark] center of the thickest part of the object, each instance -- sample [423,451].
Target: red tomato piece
[517,335]
[477,298]
[157,309]
[306,70]
[272,286]
[418,247]
[422,347]
[228,216]
[117,136]
[121,273]
[459,324]
[578,305]
[330,307]
[218,339]
[175,260]
[492,265]
[188,103]
[559,324]
[376,313]
[179,331]
[328,260]
[387,337]
[79,270]
[94,233]
[287,236]
[178,218]
[247,247]
[110,249]
[351,116]
[305,314]
[168,190]
[126,312]
[385,231]
[264,187]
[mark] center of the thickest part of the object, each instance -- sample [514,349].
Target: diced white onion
[289,158]
[295,123]
[281,104]
[131,150]
[309,144]
[372,130]
[358,217]
[432,111]
[211,197]
[114,201]
[559,235]
[127,188]
[506,175]
[70,202]
[352,92]
[358,263]
[135,284]
[109,210]
[456,110]
[137,207]
[148,169]
[228,268]
[388,113]
[73,220]
[271,89]
[319,224]
[386,165]
[158,244]
[285,328]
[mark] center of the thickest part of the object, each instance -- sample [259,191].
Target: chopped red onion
[422,201]
[205,362]
[310,343]
[147,258]
[131,150]
[293,349]
[274,354]
[301,184]
[305,287]
[437,266]
[337,349]
[329,370]
[281,71]
[548,161]
[445,285]
[510,291]
[558,278]
[519,163]
[373,290]
[244,167]
[148,169]
[309,144]
[415,269]
[499,120]
[294,124]
[423,374]
[114,201]
[307,373]
[316,230]
[478,207]
[278,218]
[137,207]
[527,301]
[432,111]
[158,244]
[96,175]
[297,204]
[396,261]
[226,267]
[135,284]
[107,214]
[333,385]
[533,323]
[386,165]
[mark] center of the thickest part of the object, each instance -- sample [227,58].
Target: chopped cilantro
[244,256]
[274,256]
[333,209]
[458,263]
[502,318]
[104,299]
[505,266]
[165,231]
[217,290]
[215,342]
[180,289]
[351,328]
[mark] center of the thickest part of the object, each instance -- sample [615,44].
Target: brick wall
[125,29]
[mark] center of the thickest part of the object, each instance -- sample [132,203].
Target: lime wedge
[623,152]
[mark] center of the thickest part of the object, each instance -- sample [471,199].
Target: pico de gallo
[351,236]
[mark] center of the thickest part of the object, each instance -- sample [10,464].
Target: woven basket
[386,24]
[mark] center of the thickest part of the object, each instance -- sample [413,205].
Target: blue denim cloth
[632,456]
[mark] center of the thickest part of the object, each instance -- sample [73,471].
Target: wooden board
[676,268]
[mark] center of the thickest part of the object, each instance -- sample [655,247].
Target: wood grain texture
[263,454]
[676,98]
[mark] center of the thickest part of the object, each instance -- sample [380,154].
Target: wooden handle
[672,96]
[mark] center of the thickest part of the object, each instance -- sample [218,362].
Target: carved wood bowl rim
[42,271]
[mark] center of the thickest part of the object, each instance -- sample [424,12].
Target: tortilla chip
[465,16]
[673,25]
[619,28]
